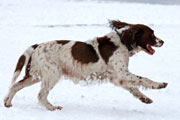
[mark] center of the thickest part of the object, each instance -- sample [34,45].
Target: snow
[23,23]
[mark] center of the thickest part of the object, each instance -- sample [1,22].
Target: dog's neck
[119,32]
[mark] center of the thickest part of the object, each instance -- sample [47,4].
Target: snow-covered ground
[25,22]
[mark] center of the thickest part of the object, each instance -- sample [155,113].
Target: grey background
[164,2]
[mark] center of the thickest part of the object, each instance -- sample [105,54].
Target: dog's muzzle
[159,42]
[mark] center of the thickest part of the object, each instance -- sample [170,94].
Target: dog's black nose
[161,42]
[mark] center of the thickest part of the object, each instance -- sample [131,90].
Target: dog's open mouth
[149,49]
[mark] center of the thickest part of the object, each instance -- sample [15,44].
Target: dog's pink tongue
[150,49]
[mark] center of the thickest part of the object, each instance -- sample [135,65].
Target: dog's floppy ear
[137,33]
[116,24]
[131,36]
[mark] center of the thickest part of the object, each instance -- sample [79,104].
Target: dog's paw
[162,85]
[52,108]
[58,108]
[146,100]
[6,104]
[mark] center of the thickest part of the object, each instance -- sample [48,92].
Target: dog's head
[137,36]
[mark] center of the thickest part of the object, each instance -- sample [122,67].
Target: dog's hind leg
[136,93]
[49,80]
[27,81]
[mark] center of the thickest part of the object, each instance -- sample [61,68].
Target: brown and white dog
[104,57]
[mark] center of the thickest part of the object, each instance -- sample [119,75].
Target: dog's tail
[23,61]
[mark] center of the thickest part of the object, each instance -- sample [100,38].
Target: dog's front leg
[131,80]
[126,79]
[137,94]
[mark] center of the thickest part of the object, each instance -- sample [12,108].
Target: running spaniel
[101,58]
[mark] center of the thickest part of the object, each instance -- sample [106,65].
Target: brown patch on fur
[35,46]
[84,53]
[117,24]
[139,77]
[121,82]
[106,48]
[63,42]
[128,37]
[65,72]
[20,63]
